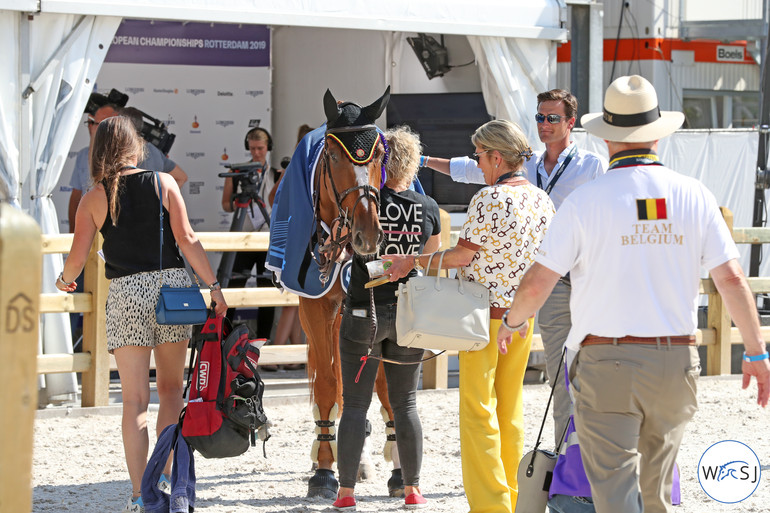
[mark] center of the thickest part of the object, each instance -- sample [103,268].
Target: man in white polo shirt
[634,241]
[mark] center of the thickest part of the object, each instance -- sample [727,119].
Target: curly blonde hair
[404,158]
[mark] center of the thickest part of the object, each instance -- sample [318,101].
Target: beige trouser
[632,403]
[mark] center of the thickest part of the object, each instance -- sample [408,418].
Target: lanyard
[559,171]
[633,158]
[510,174]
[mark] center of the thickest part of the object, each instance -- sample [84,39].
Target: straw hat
[631,113]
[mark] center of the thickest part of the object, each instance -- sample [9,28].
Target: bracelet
[507,326]
[61,279]
[423,160]
[215,286]
[417,265]
[755,358]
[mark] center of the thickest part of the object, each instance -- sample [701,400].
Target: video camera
[246,175]
[153,130]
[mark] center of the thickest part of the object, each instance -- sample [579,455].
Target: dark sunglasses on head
[552,118]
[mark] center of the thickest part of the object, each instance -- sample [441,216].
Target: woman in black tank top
[125,208]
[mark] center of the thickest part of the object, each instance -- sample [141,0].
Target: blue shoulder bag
[177,305]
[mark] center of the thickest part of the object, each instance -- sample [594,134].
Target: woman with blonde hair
[411,224]
[124,207]
[498,242]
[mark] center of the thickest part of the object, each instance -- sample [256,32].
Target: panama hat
[631,113]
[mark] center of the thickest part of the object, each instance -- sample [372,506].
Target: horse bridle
[334,245]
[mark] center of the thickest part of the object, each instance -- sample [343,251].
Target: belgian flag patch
[651,209]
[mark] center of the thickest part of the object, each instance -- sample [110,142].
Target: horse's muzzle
[364,245]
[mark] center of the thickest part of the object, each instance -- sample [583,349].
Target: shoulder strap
[160,196]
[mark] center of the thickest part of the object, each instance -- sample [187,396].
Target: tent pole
[26,151]
[763,179]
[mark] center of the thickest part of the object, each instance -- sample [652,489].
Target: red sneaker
[415,501]
[345,504]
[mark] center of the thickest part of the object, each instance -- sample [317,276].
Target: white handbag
[442,313]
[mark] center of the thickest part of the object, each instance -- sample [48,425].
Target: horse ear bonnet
[358,144]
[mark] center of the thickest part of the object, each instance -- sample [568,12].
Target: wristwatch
[215,286]
[508,326]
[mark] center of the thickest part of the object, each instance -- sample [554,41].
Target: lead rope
[372,333]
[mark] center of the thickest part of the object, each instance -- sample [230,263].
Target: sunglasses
[477,155]
[552,118]
[90,122]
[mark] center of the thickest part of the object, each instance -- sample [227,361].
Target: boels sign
[731,53]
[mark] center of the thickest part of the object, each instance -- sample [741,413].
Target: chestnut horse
[346,177]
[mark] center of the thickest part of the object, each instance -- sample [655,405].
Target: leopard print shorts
[131,304]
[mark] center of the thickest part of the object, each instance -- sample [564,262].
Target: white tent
[56,47]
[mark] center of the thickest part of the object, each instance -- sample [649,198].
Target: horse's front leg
[320,321]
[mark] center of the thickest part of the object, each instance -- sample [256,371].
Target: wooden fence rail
[95,363]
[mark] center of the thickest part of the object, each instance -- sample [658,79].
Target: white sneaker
[134,506]
[164,485]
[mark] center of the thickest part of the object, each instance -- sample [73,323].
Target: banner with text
[206,83]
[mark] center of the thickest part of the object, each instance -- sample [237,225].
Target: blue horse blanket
[292,225]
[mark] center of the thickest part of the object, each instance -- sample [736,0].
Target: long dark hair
[115,146]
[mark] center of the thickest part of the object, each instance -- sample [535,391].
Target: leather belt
[685,340]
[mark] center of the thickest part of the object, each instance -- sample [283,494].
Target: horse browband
[355,128]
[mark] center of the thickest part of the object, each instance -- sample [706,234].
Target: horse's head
[354,158]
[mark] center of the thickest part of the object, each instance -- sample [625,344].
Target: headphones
[251,131]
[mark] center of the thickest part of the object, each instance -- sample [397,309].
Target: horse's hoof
[323,484]
[396,483]
[365,471]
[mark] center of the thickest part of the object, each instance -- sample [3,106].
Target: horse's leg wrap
[330,437]
[365,463]
[390,451]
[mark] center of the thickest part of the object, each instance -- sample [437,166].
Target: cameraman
[258,142]
[154,159]
[81,180]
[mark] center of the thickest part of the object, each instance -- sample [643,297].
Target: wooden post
[435,372]
[21,269]
[96,381]
[719,355]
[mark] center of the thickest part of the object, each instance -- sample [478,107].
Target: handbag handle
[460,287]
[531,465]
[160,263]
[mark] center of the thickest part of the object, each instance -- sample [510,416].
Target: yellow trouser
[492,422]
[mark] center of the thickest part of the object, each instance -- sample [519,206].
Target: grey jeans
[554,322]
[402,392]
